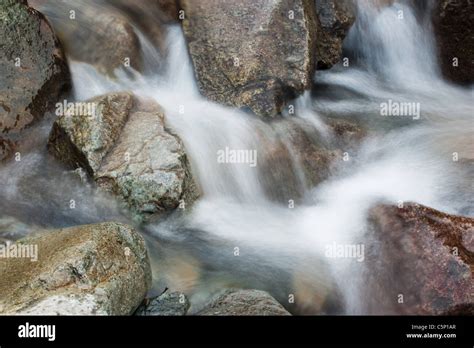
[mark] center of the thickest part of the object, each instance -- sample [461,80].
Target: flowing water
[240,233]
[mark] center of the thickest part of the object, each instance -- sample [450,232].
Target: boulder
[33,69]
[167,304]
[128,151]
[100,269]
[335,18]
[243,302]
[251,54]
[422,254]
[95,35]
[453,22]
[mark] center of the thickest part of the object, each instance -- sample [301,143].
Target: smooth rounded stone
[243,302]
[167,304]
[251,54]
[422,254]
[33,69]
[128,151]
[335,18]
[453,22]
[94,34]
[99,269]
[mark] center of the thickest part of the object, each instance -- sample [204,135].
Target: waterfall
[391,57]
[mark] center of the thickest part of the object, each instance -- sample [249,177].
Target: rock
[243,302]
[128,151]
[453,22]
[170,10]
[97,36]
[167,304]
[98,269]
[33,69]
[6,149]
[150,16]
[423,254]
[335,17]
[251,54]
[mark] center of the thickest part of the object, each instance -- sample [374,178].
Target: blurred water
[238,234]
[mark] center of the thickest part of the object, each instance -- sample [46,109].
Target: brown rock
[424,255]
[454,29]
[33,70]
[251,54]
[100,269]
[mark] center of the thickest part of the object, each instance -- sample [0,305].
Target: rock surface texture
[100,269]
[454,29]
[335,17]
[244,302]
[422,254]
[126,148]
[251,54]
[33,70]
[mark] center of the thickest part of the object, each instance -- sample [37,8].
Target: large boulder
[243,302]
[127,149]
[252,54]
[95,35]
[421,261]
[33,69]
[100,269]
[335,17]
[454,29]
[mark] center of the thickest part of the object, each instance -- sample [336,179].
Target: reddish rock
[423,254]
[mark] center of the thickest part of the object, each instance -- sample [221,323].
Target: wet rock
[100,269]
[128,151]
[33,70]
[243,302]
[150,16]
[335,18]
[422,254]
[96,35]
[6,149]
[453,22]
[251,54]
[167,304]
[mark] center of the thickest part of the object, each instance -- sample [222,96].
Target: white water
[393,59]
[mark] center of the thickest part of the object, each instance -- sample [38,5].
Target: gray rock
[253,54]
[33,70]
[243,302]
[100,269]
[128,151]
[167,304]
